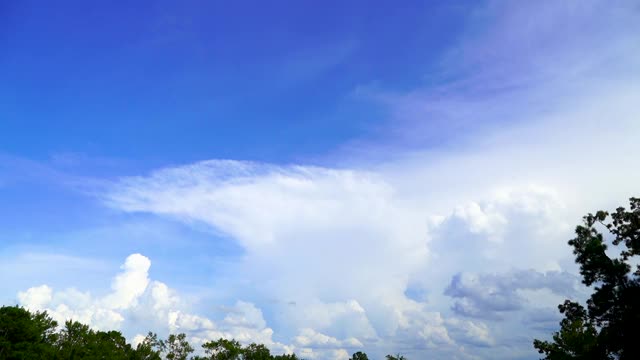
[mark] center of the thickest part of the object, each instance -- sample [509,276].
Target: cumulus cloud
[345,319]
[136,301]
[36,297]
[130,283]
[243,322]
[101,313]
[309,337]
[336,354]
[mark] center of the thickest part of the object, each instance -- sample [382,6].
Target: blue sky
[322,179]
[271,83]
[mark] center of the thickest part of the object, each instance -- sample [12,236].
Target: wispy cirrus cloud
[514,64]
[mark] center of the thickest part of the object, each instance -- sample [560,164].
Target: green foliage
[150,348]
[24,335]
[577,338]
[607,328]
[78,341]
[177,347]
[74,340]
[256,352]
[223,349]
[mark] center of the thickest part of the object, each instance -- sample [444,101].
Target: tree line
[26,335]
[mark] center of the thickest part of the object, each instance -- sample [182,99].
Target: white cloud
[246,315]
[130,284]
[309,337]
[137,301]
[470,332]
[181,322]
[344,319]
[105,313]
[36,297]
[162,298]
[334,354]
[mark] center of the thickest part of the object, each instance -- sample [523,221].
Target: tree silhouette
[608,327]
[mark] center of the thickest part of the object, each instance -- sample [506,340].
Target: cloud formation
[136,302]
[345,246]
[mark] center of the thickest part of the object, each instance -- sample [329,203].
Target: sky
[321,178]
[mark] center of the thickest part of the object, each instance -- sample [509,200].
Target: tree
[109,345]
[359,356]
[177,347]
[25,335]
[222,349]
[78,341]
[577,338]
[256,352]
[607,328]
[74,340]
[150,348]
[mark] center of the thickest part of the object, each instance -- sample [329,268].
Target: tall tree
[177,347]
[74,340]
[150,348]
[608,328]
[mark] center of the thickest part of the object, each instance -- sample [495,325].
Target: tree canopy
[25,335]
